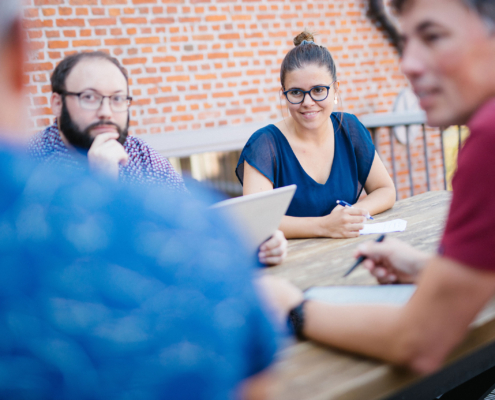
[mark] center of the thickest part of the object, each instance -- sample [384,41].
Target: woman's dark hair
[63,69]
[306,54]
[485,8]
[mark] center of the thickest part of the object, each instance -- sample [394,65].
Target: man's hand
[106,154]
[274,250]
[392,261]
[343,222]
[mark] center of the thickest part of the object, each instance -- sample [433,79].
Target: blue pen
[346,204]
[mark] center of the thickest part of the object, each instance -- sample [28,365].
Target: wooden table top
[308,371]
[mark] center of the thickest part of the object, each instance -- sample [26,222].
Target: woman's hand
[274,250]
[343,222]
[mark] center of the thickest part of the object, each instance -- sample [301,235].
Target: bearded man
[90,98]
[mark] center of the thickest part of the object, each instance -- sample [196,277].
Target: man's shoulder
[43,141]
[484,119]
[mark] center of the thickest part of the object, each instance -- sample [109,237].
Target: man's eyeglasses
[90,100]
[317,93]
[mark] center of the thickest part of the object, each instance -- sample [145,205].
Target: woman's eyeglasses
[317,93]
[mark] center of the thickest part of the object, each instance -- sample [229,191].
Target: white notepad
[376,294]
[395,225]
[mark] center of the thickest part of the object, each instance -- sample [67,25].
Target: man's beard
[83,139]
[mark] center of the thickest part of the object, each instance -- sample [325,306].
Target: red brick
[55,55]
[98,11]
[229,36]
[47,2]
[102,21]
[35,34]
[86,43]
[64,11]
[117,42]
[132,61]
[58,44]
[168,99]
[148,40]
[146,81]
[182,118]
[196,97]
[214,56]
[205,77]
[70,22]
[41,111]
[195,57]
[47,66]
[231,74]
[164,59]
[83,2]
[178,78]
[203,37]
[136,21]
[31,12]
[222,94]
[37,23]
[82,11]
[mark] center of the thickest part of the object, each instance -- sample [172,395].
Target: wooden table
[309,371]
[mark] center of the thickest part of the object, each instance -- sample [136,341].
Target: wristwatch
[295,320]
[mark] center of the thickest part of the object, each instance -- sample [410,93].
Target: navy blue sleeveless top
[269,152]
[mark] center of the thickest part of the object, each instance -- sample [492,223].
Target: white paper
[376,294]
[396,225]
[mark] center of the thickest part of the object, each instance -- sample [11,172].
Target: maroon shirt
[469,236]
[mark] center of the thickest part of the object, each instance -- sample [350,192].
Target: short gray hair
[9,11]
[484,8]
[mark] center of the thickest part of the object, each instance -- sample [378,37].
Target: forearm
[364,329]
[300,227]
[379,200]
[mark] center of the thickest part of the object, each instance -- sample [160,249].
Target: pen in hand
[362,258]
[346,204]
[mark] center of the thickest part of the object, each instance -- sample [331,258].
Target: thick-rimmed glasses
[317,93]
[90,100]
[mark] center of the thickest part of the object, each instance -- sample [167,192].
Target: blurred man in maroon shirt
[449,57]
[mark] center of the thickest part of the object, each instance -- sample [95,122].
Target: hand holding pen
[362,258]
[346,204]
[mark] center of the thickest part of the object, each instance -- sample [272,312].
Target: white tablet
[257,216]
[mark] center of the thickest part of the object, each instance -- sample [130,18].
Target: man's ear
[56,103]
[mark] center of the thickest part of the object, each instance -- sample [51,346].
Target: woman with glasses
[328,155]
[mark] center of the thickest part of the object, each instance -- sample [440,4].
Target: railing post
[425,147]
[392,158]
[443,160]
[409,166]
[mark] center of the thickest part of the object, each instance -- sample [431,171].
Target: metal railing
[211,155]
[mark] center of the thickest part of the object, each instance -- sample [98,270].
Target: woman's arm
[341,222]
[380,189]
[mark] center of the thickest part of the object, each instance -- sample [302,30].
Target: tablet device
[374,294]
[257,216]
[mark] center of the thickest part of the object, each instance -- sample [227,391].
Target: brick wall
[198,64]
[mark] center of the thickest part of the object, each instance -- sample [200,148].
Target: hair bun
[305,35]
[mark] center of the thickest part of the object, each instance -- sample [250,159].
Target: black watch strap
[295,320]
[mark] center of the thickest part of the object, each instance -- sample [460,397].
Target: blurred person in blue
[90,99]
[328,155]
[113,293]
